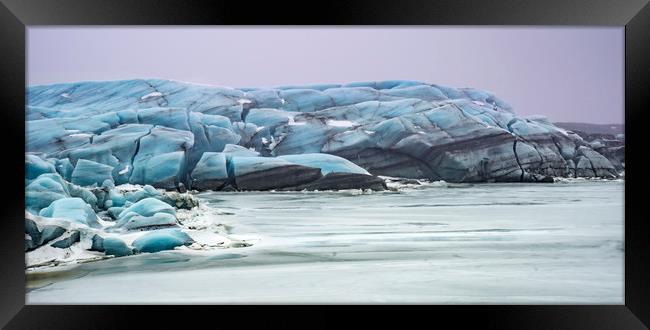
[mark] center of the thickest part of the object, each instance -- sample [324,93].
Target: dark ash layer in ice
[607,140]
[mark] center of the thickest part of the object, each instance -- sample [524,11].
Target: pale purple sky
[564,73]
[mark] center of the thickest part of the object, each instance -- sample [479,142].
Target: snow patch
[341,123]
[399,184]
[128,187]
[586,179]
[274,142]
[294,123]
[151,96]
[125,170]
[82,135]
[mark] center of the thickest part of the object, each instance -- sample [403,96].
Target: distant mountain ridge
[593,128]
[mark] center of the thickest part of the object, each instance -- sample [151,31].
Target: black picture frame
[16,15]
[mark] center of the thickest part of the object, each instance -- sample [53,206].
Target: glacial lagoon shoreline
[321,229]
[188,217]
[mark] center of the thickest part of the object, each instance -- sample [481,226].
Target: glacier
[87,143]
[152,131]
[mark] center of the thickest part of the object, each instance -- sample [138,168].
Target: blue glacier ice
[48,187]
[85,139]
[160,160]
[115,246]
[114,211]
[146,213]
[122,143]
[211,166]
[164,170]
[236,150]
[146,192]
[242,165]
[41,192]
[326,163]
[146,222]
[115,199]
[64,167]
[422,92]
[88,173]
[352,95]
[156,132]
[72,208]
[162,239]
[176,118]
[35,166]
[269,117]
[304,100]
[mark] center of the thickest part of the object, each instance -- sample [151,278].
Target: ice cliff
[167,133]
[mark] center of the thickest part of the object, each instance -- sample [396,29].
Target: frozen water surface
[489,243]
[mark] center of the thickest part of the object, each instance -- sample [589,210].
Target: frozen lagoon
[486,243]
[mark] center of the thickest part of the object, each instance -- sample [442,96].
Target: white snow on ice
[125,170]
[295,123]
[151,96]
[341,123]
[82,135]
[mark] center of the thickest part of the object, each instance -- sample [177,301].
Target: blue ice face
[352,95]
[41,192]
[148,212]
[326,163]
[49,187]
[156,131]
[305,100]
[162,239]
[115,246]
[74,209]
[88,173]
[211,166]
[35,166]
[244,165]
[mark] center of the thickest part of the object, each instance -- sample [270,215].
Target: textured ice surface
[326,163]
[115,246]
[35,166]
[97,151]
[44,190]
[156,131]
[88,173]
[433,243]
[146,212]
[74,209]
[211,166]
[244,165]
[159,240]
